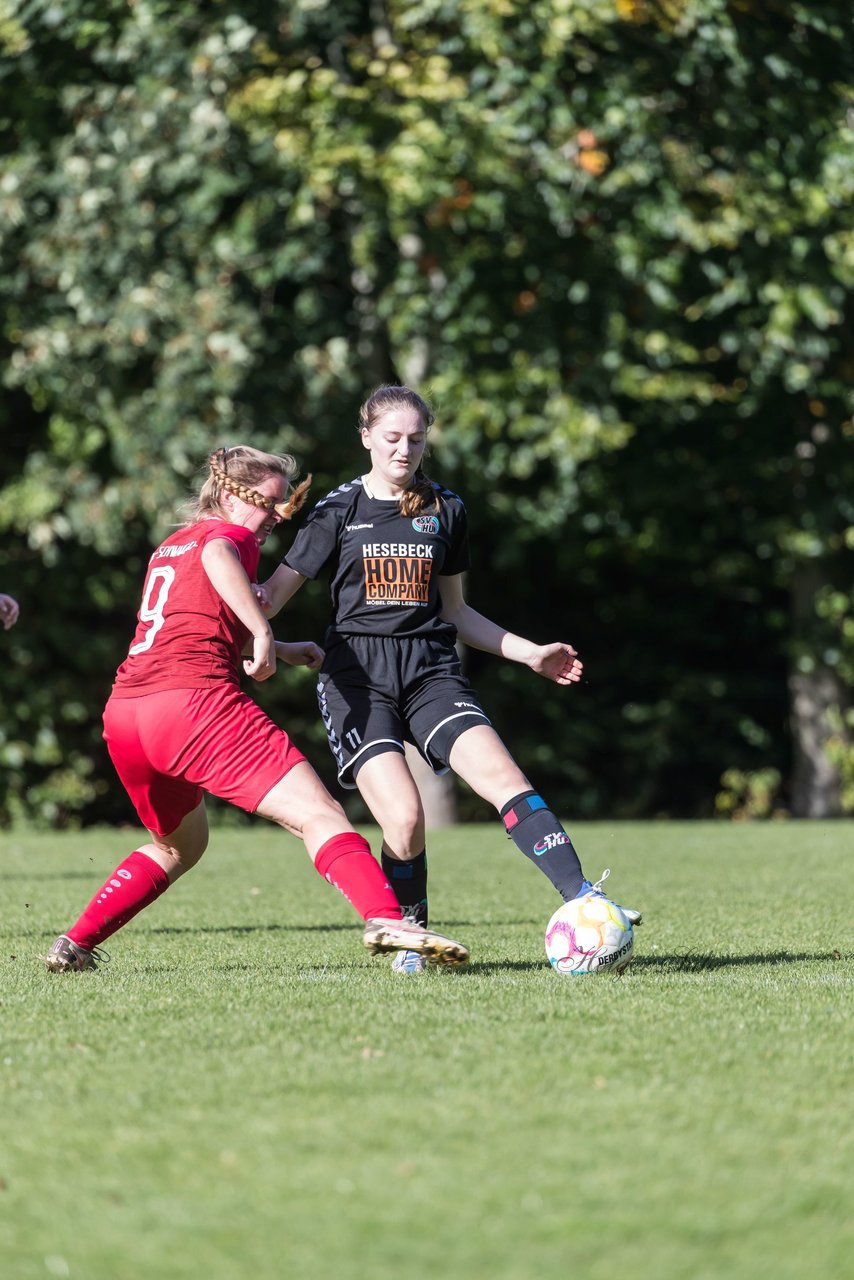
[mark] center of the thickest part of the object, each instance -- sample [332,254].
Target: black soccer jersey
[383,567]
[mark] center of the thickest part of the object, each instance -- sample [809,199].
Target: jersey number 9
[153,603]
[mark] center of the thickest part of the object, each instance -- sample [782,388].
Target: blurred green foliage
[612,241]
[745,797]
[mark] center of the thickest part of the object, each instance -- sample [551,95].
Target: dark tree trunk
[815,692]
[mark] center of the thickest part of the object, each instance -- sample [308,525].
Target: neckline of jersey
[373,497]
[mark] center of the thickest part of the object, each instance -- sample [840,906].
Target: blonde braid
[252,496]
[254,466]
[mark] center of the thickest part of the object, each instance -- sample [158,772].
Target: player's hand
[300,653]
[8,612]
[262,664]
[262,597]
[558,662]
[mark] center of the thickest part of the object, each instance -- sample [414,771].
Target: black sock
[409,881]
[537,832]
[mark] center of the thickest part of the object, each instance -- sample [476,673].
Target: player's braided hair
[421,495]
[239,469]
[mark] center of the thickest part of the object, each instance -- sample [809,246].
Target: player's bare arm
[558,661]
[275,593]
[228,577]
[300,653]
[295,653]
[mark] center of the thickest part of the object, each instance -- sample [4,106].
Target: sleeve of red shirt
[243,540]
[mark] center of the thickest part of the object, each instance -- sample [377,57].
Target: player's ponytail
[421,497]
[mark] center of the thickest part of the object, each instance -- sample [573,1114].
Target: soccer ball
[589,935]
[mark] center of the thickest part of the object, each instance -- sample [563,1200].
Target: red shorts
[170,747]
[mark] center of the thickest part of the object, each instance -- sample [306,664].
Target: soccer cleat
[633,917]
[409,962]
[382,936]
[66,956]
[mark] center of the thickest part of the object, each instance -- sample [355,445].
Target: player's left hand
[558,662]
[300,653]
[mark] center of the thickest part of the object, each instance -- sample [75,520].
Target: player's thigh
[390,792]
[481,759]
[301,803]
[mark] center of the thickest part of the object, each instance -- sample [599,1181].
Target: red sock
[347,863]
[138,881]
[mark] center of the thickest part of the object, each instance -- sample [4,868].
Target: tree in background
[612,241]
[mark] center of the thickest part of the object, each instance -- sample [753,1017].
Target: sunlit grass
[244,1094]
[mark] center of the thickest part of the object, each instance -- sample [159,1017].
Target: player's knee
[190,851]
[176,859]
[404,836]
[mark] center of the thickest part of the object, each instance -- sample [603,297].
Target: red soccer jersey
[186,635]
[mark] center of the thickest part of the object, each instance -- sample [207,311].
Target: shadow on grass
[89,875]
[263,928]
[699,963]
[691,963]
[175,930]
[482,968]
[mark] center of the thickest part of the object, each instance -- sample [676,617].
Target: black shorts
[375,693]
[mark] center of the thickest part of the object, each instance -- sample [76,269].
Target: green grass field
[245,1094]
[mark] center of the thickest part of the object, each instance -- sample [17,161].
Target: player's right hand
[262,664]
[262,597]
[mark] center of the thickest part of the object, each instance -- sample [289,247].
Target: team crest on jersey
[426,524]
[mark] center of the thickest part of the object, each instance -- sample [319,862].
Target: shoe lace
[102,957]
[597,887]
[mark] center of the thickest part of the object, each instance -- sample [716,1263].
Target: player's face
[261,522]
[396,444]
